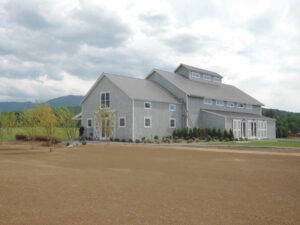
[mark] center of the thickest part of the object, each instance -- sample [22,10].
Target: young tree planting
[11,122]
[30,122]
[1,127]
[64,119]
[105,122]
[48,121]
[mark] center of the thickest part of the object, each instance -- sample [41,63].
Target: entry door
[105,129]
[243,127]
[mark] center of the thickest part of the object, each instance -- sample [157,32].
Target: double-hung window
[207,77]
[105,100]
[172,107]
[230,104]
[147,122]
[195,75]
[89,123]
[172,123]
[219,103]
[122,122]
[147,105]
[207,101]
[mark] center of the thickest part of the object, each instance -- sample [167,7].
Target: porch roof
[237,114]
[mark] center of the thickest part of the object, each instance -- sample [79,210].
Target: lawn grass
[11,136]
[260,144]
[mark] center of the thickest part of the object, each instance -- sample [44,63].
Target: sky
[52,48]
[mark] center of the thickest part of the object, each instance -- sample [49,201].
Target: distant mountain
[70,100]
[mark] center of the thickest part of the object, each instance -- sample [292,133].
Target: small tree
[105,122]
[47,121]
[30,121]
[11,122]
[64,118]
[1,127]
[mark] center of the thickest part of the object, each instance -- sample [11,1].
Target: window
[230,104]
[172,107]
[252,129]
[172,123]
[219,103]
[147,105]
[217,79]
[239,105]
[104,99]
[206,77]
[196,75]
[248,106]
[122,122]
[147,122]
[207,101]
[89,123]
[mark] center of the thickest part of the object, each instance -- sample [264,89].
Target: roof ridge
[124,76]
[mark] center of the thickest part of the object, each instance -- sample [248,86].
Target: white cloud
[253,44]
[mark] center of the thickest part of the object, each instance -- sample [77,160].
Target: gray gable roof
[237,114]
[199,70]
[223,92]
[139,89]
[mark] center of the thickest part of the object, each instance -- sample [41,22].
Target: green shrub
[21,137]
[83,142]
[143,139]
[190,141]
[130,140]
[67,144]
[123,140]
[219,133]
[148,141]
[155,137]
[137,141]
[117,140]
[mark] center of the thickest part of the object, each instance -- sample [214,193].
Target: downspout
[187,110]
[133,120]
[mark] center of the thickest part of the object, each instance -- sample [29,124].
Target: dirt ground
[139,184]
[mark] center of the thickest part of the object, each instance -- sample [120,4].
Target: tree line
[41,116]
[286,122]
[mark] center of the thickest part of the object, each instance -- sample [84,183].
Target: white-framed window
[248,106]
[196,75]
[122,121]
[147,105]
[207,101]
[172,107]
[105,99]
[172,123]
[89,122]
[206,77]
[230,104]
[217,79]
[240,105]
[147,122]
[219,103]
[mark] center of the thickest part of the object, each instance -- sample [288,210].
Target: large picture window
[105,100]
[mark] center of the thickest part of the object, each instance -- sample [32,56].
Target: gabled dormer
[197,74]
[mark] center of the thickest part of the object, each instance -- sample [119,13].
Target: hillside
[70,100]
